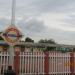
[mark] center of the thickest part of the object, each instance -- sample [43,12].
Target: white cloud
[56,21]
[42,18]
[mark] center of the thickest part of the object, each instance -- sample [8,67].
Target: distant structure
[28,46]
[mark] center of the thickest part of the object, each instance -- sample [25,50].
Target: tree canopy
[28,39]
[51,41]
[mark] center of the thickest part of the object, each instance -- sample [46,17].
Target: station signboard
[11,35]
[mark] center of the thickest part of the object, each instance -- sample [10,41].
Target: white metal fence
[4,61]
[32,63]
[59,63]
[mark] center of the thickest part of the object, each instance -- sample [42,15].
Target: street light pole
[13,12]
[11,47]
[11,35]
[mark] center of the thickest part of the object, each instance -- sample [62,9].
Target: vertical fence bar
[17,62]
[63,60]
[52,56]
[43,63]
[72,63]
[33,58]
[56,64]
[64,57]
[46,63]
[69,63]
[37,64]
[1,63]
[20,62]
[23,63]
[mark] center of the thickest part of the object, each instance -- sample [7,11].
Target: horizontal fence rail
[40,63]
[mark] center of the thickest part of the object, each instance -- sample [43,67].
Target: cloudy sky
[51,19]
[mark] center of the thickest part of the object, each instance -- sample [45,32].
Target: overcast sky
[51,19]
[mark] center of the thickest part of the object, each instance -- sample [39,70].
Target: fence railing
[31,63]
[4,61]
[59,63]
[40,63]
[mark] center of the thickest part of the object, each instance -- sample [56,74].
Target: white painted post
[11,55]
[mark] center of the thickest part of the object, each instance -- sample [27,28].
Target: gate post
[17,62]
[72,63]
[46,63]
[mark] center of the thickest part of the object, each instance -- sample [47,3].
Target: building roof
[30,44]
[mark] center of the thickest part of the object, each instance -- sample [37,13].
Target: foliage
[29,40]
[51,41]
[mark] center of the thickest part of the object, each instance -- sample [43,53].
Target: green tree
[41,41]
[51,41]
[28,39]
